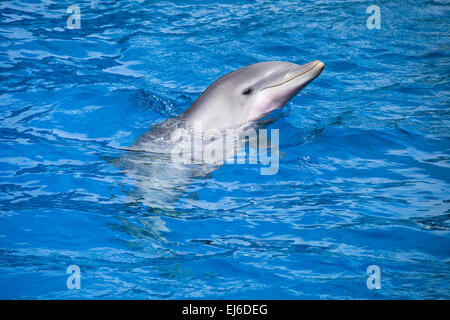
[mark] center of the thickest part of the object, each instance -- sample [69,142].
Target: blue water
[364,178]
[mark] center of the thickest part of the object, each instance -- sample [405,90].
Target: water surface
[364,178]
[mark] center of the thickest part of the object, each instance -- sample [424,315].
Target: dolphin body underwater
[235,101]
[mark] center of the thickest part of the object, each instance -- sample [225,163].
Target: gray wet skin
[250,93]
[239,97]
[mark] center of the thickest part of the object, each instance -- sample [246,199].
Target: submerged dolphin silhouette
[235,100]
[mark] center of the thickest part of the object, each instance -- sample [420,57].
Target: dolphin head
[250,93]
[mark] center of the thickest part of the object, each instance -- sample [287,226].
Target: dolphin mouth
[314,67]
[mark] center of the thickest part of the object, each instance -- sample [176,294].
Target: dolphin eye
[247,91]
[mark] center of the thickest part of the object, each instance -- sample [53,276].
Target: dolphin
[250,93]
[239,100]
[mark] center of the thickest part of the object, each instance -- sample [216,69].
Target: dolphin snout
[319,65]
[302,74]
[299,70]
